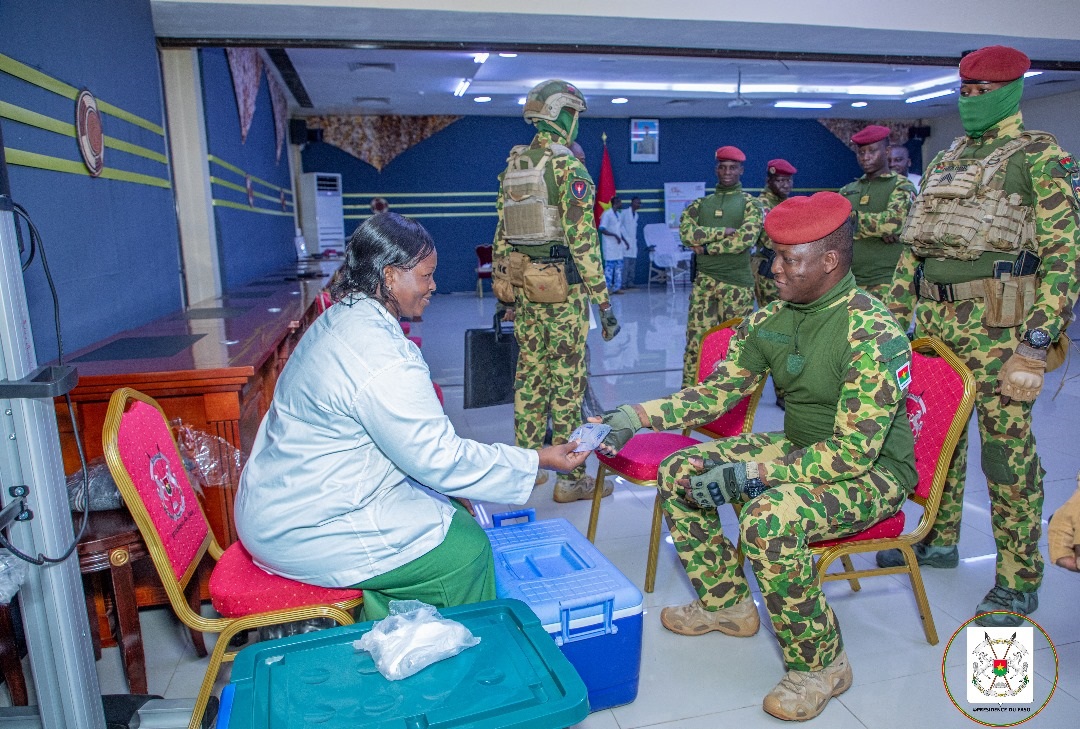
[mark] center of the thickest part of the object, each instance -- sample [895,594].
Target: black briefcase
[490,363]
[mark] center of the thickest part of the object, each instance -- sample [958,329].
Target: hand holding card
[589,436]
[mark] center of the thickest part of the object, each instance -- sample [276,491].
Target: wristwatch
[1037,338]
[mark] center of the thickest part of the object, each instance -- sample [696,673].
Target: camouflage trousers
[1014,474]
[878,291]
[776,530]
[712,302]
[551,375]
[765,291]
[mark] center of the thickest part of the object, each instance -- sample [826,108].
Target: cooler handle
[528,514]
[607,601]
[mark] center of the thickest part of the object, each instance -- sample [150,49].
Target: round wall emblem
[88,131]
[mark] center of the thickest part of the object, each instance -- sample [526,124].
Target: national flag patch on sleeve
[903,376]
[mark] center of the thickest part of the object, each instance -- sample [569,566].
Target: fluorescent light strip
[480,57]
[931,95]
[750,88]
[462,87]
[802,105]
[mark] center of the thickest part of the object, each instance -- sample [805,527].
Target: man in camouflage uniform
[778,183]
[990,256]
[843,462]
[720,229]
[546,228]
[880,201]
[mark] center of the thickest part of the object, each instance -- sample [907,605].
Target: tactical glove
[722,483]
[1021,377]
[609,324]
[624,422]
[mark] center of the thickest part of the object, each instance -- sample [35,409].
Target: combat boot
[941,557]
[568,489]
[993,611]
[740,620]
[802,695]
[541,477]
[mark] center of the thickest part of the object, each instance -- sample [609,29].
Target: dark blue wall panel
[467,157]
[251,242]
[113,245]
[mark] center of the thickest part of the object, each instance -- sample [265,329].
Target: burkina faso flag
[1000,666]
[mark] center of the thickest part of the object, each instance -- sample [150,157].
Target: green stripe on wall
[233,168]
[248,208]
[34,119]
[55,164]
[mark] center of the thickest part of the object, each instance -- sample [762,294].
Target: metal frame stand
[54,610]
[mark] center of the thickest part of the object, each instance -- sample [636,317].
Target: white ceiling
[353,59]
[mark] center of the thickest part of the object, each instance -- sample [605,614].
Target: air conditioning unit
[322,212]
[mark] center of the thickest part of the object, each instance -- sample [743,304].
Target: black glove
[722,483]
[609,324]
[624,422]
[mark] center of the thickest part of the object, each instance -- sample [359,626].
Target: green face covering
[979,113]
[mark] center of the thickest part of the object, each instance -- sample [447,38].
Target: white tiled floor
[714,680]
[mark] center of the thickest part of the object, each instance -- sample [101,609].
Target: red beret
[871,134]
[993,64]
[732,153]
[802,219]
[781,167]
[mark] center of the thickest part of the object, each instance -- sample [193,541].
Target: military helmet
[550,97]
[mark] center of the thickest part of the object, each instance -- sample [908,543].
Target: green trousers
[457,572]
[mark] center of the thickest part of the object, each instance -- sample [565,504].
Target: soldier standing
[778,183]
[720,229]
[546,269]
[844,461]
[999,294]
[880,201]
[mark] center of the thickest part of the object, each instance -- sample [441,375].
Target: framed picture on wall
[644,140]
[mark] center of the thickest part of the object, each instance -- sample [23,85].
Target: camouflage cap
[550,97]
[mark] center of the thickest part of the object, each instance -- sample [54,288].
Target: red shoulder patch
[578,189]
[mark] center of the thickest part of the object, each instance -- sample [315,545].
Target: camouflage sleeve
[499,247]
[1056,234]
[871,396]
[577,197]
[902,297]
[729,383]
[690,232]
[745,235]
[890,220]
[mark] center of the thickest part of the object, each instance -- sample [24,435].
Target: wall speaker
[298,131]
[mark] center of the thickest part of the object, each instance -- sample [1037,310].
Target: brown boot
[740,620]
[802,695]
[568,489]
[541,477]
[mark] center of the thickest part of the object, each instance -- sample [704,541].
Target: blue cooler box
[591,610]
[513,679]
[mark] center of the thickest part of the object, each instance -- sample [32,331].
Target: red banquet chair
[483,268]
[939,402]
[639,460]
[146,466]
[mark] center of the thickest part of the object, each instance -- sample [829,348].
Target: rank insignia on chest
[719,213]
[864,200]
[903,376]
[578,189]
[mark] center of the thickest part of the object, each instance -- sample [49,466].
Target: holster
[1008,300]
[764,268]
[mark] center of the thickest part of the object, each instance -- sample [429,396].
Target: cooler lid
[516,677]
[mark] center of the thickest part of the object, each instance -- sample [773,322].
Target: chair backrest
[323,301]
[939,402]
[483,255]
[714,349]
[149,472]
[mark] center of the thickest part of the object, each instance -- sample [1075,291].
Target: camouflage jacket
[1055,179]
[714,240]
[888,221]
[845,367]
[576,198]
[768,200]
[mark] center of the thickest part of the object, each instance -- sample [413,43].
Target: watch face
[1038,338]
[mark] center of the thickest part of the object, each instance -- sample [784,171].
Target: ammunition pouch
[545,281]
[1007,300]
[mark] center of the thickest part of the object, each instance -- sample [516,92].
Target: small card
[589,436]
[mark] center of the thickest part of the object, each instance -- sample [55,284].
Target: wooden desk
[213,366]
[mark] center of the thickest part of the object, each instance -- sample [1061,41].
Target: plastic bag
[210,460]
[413,637]
[12,575]
[101,491]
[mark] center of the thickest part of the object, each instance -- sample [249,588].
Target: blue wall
[113,245]
[252,242]
[467,157]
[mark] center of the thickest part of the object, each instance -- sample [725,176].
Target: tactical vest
[530,211]
[724,210]
[873,261]
[963,209]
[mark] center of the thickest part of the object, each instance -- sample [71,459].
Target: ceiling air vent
[364,66]
[362,100]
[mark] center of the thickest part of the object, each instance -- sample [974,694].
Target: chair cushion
[239,587]
[885,529]
[418,341]
[641,456]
